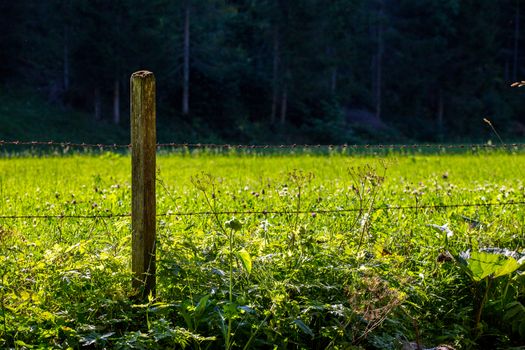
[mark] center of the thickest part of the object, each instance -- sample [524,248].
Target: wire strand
[338,146]
[62,144]
[174,145]
[269,212]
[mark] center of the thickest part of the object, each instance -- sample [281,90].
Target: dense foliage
[374,278]
[279,70]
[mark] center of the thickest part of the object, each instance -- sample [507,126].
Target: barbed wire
[270,212]
[268,146]
[62,144]
[65,216]
[339,146]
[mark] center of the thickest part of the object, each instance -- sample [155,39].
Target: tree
[11,14]
[377,58]
[429,68]
[422,59]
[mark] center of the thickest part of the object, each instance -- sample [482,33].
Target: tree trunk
[97,104]
[379,59]
[330,56]
[116,102]
[284,104]
[275,75]
[516,42]
[440,112]
[186,64]
[66,68]
[333,81]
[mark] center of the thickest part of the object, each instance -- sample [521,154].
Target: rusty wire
[269,212]
[174,145]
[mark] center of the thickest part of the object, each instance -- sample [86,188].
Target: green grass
[373,278]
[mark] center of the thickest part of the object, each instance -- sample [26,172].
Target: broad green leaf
[230,310]
[185,312]
[521,329]
[508,267]
[21,343]
[483,264]
[304,327]
[201,305]
[234,224]
[514,310]
[245,259]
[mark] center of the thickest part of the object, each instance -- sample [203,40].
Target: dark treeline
[279,70]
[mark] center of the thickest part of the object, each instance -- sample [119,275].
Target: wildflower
[443,228]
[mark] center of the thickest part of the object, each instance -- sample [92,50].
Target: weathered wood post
[143,152]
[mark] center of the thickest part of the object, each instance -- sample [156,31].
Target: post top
[141,74]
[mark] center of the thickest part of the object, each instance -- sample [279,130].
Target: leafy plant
[483,267]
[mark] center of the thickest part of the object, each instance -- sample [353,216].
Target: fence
[269,212]
[174,145]
[143,149]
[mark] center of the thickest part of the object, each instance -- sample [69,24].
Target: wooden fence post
[143,153]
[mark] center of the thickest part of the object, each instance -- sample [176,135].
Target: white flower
[443,228]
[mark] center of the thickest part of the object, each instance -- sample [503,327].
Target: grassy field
[374,277]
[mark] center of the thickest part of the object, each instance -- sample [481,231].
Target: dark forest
[312,71]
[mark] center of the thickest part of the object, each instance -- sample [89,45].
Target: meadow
[299,251]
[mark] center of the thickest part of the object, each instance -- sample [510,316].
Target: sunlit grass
[370,277]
